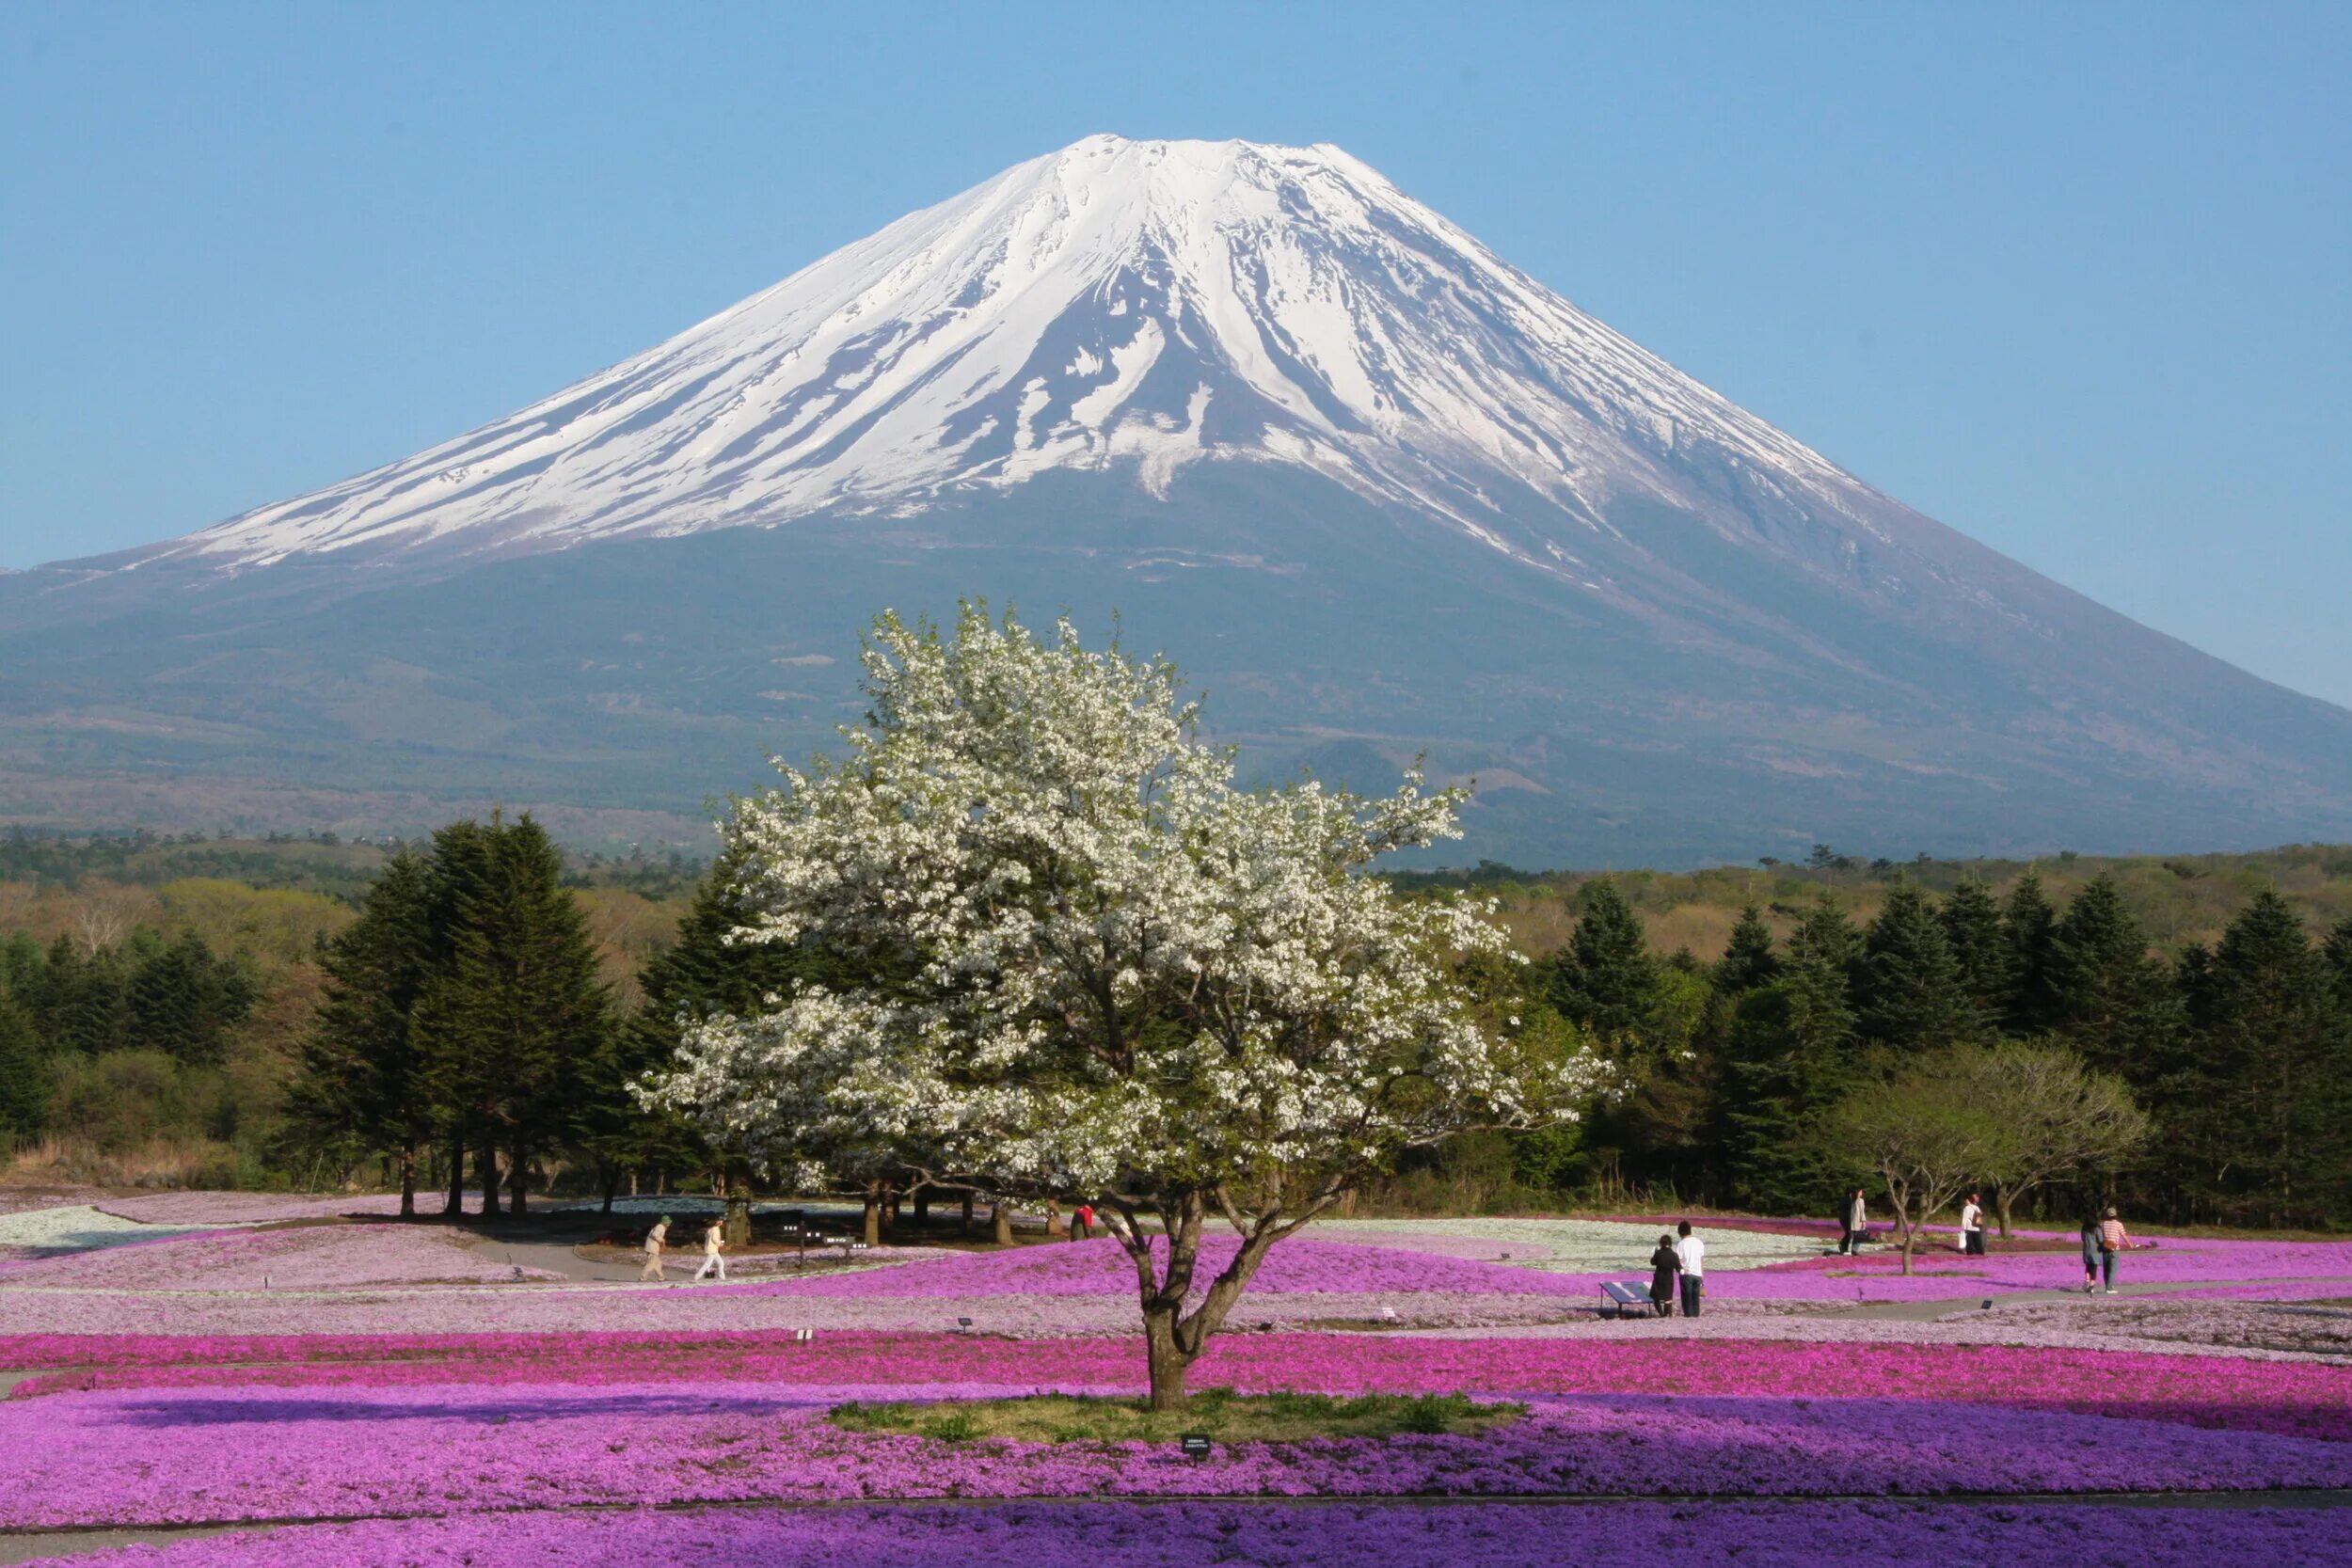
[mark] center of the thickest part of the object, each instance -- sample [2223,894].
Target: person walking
[1972,1228]
[1691,1254]
[656,1240]
[1664,1265]
[1856,1220]
[714,1242]
[2113,1239]
[2090,1253]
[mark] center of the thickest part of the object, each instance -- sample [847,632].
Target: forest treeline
[468,1009]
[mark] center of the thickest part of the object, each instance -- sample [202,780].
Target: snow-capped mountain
[1137,306]
[1379,490]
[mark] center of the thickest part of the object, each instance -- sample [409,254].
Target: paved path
[1928,1311]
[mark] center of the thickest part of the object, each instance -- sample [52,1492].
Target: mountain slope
[1382,490]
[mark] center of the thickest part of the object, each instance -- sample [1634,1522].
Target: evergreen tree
[365,1081]
[2258,1117]
[1791,1052]
[698,976]
[1911,993]
[517,1019]
[1981,952]
[2338,952]
[1748,959]
[2029,925]
[184,1002]
[1605,981]
[2112,1000]
[24,1075]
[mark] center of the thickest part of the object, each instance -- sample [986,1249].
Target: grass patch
[1223,1414]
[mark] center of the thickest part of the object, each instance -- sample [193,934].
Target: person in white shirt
[714,1239]
[1972,1228]
[1694,1255]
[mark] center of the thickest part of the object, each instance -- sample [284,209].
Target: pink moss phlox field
[182,1456]
[2290,1397]
[216,1208]
[1101,1267]
[310,1258]
[1186,1535]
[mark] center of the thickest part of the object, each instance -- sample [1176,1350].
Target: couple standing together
[1686,1258]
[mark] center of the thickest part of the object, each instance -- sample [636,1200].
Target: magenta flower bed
[1184,1535]
[1101,1267]
[156,1456]
[2290,1397]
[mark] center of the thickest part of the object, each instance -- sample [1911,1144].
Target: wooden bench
[1620,1299]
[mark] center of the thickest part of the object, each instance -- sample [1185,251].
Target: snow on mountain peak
[1138,305]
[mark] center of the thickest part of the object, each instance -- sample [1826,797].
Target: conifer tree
[1605,981]
[1748,959]
[518,1017]
[363,1083]
[2029,925]
[2259,1116]
[24,1075]
[2112,1000]
[2338,952]
[1791,1052]
[1910,992]
[1981,951]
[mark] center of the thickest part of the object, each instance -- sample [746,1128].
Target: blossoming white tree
[1084,963]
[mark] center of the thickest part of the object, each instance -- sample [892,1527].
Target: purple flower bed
[2290,1397]
[1184,1535]
[184,1456]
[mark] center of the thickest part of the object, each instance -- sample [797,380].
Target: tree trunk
[922,1211]
[1168,1362]
[890,1206]
[487,1171]
[873,1214]
[519,1178]
[408,1181]
[967,1211]
[456,1179]
[739,1217]
[2001,1202]
[612,1182]
[1001,1216]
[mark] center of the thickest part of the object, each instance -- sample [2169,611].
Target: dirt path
[1928,1311]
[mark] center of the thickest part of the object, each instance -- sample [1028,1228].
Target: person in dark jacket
[1664,1265]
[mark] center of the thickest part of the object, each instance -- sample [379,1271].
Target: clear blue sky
[2076,281]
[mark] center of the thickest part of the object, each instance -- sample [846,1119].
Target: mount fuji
[1380,490]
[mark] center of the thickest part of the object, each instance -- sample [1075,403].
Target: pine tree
[1981,952]
[2338,952]
[1911,994]
[363,1084]
[2259,1119]
[1791,1052]
[518,1017]
[1748,959]
[2111,998]
[699,976]
[1605,981]
[24,1075]
[2029,925]
[183,1001]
